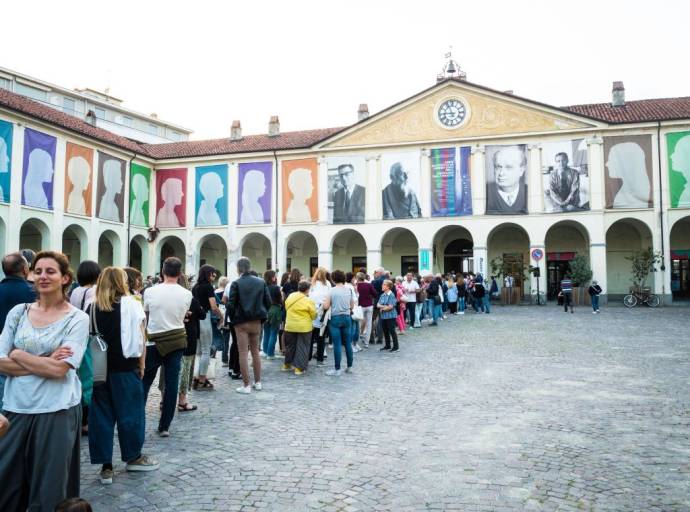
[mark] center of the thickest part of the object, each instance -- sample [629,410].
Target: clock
[451,113]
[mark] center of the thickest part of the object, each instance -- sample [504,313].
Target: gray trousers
[297,346]
[39,460]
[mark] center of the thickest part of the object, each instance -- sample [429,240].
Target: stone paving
[524,409]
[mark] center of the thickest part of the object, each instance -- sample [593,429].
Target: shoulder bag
[98,349]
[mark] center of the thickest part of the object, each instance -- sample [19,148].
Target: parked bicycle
[644,296]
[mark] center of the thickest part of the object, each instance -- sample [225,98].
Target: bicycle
[644,296]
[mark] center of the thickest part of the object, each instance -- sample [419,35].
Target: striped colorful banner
[450,183]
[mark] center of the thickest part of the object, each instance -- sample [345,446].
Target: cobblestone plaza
[524,409]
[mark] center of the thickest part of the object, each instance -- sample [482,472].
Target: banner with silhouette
[300,186]
[6,130]
[255,193]
[628,161]
[171,189]
[110,187]
[211,199]
[678,147]
[38,169]
[139,193]
[78,179]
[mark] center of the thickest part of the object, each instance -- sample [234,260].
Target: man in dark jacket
[248,304]
[377,283]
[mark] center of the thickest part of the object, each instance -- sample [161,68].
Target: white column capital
[478,149]
[595,140]
[538,145]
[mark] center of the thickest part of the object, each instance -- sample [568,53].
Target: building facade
[458,177]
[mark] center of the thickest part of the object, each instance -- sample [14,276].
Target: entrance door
[680,278]
[409,264]
[556,270]
[514,264]
[457,256]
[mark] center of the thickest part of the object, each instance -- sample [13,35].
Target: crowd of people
[58,386]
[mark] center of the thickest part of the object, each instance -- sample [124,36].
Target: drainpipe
[129,207]
[275,195]
[661,203]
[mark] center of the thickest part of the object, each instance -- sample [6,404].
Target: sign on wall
[255,192]
[451,190]
[171,187]
[300,198]
[78,179]
[110,197]
[565,176]
[506,179]
[211,198]
[5,160]
[628,161]
[139,190]
[678,145]
[38,169]
[400,179]
[346,190]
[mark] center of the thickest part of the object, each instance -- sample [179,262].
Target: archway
[564,240]
[75,244]
[171,246]
[214,251]
[508,254]
[623,239]
[108,249]
[137,251]
[680,259]
[349,251]
[400,251]
[257,248]
[302,252]
[453,250]
[35,235]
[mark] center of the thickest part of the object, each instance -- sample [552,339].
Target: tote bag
[98,349]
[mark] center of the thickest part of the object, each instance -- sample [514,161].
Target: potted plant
[643,263]
[581,274]
[500,269]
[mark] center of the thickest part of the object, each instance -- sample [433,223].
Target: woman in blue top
[388,315]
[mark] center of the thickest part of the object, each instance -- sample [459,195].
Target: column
[597,259]
[373,259]
[14,222]
[373,194]
[425,185]
[233,256]
[58,195]
[322,202]
[534,180]
[597,197]
[480,256]
[326,259]
[478,181]
[425,256]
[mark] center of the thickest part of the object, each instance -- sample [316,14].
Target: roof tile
[662,109]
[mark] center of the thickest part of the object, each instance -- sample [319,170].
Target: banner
[110,197]
[346,190]
[565,176]
[628,174]
[171,187]
[300,190]
[38,169]
[506,179]
[139,190]
[401,177]
[5,160]
[678,145]
[211,198]
[255,193]
[451,190]
[78,179]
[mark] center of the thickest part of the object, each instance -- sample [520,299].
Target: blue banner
[5,160]
[211,208]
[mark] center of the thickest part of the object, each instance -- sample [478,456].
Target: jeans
[567,301]
[171,363]
[119,400]
[203,347]
[354,332]
[461,304]
[269,342]
[226,344]
[437,312]
[418,315]
[2,389]
[340,329]
[595,302]
[217,334]
[486,303]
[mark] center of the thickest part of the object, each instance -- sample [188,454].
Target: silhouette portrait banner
[628,171]
[255,192]
[78,179]
[451,190]
[110,197]
[507,169]
[38,169]
[346,189]
[6,131]
[300,186]
[139,193]
[211,199]
[678,145]
[400,180]
[565,176]
[171,189]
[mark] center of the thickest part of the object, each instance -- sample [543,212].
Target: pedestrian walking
[386,306]
[340,302]
[567,291]
[594,292]
[300,313]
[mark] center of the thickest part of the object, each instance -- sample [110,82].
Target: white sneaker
[244,390]
[355,349]
[461,313]
[333,372]
[349,369]
[257,386]
[262,354]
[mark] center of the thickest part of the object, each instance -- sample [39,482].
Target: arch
[168,246]
[302,251]
[138,249]
[453,249]
[109,249]
[508,246]
[213,250]
[680,259]
[349,250]
[35,235]
[75,244]
[257,247]
[563,241]
[623,238]
[400,251]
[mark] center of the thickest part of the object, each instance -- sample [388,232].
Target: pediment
[489,114]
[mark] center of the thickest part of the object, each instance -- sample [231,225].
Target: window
[358,262]
[4,83]
[68,106]
[174,136]
[152,129]
[409,264]
[127,121]
[100,113]
[31,92]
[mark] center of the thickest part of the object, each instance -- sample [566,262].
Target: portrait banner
[628,176]
[171,188]
[678,145]
[139,190]
[346,189]
[110,187]
[78,179]
[565,176]
[6,131]
[211,198]
[255,193]
[38,169]
[401,179]
[300,186]
[451,190]
[506,179]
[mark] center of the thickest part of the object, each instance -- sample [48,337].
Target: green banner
[678,145]
[139,192]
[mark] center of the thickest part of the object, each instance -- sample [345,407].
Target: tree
[643,263]
[580,270]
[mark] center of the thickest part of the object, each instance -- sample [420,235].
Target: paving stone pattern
[524,409]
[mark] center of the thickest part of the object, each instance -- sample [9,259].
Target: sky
[203,64]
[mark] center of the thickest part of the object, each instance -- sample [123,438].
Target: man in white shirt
[166,306]
[411,287]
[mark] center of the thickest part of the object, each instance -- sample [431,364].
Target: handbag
[358,313]
[98,349]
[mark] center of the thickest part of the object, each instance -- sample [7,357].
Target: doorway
[680,275]
[556,271]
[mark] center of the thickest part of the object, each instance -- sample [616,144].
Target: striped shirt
[566,285]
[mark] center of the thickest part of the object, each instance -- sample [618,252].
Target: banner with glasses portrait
[346,189]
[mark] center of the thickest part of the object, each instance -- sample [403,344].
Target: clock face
[451,113]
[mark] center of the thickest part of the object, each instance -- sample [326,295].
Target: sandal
[195,383]
[186,407]
[206,385]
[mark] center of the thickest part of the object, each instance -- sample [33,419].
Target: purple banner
[38,169]
[256,184]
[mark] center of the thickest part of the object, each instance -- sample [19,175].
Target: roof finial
[451,69]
